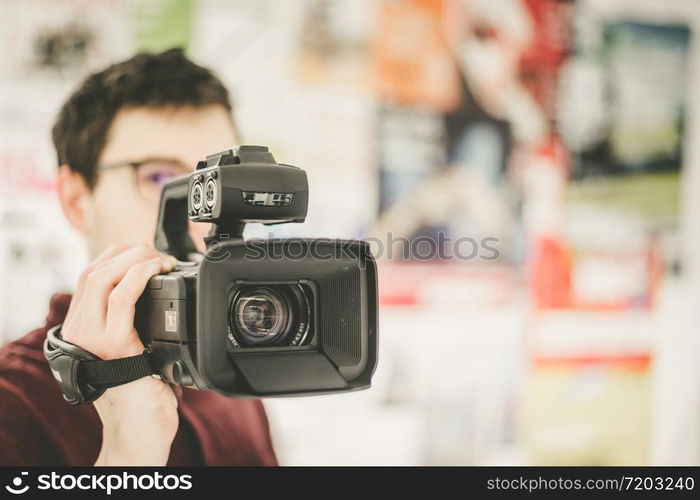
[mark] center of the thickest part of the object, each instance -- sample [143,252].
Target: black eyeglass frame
[135,164]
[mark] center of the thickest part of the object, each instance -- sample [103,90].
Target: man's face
[162,144]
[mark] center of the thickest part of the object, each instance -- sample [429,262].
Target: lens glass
[261,315]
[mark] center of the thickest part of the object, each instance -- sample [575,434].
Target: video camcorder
[256,318]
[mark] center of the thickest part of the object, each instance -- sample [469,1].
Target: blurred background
[557,142]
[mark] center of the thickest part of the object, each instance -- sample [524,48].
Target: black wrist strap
[104,374]
[82,376]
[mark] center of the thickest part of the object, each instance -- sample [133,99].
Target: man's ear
[73,193]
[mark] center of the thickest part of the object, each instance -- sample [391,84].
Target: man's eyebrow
[147,159]
[163,159]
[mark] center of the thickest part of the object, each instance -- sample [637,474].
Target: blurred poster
[648,69]
[462,84]
[411,149]
[442,178]
[622,114]
[413,64]
[639,83]
[333,42]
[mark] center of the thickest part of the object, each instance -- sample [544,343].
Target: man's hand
[139,418]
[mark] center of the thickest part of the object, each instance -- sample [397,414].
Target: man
[119,137]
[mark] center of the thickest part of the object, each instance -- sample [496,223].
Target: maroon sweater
[37,427]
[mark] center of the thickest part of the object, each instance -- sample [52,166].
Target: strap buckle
[64,359]
[82,376]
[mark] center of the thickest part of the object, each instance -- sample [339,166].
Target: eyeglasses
[151,174]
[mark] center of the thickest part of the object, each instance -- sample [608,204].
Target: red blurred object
[551,279]
[402,283]
[638,362]
[551,274]
[540,62]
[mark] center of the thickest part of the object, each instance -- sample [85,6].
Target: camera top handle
[172,235]
[229,189]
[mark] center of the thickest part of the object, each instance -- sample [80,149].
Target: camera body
[257,318]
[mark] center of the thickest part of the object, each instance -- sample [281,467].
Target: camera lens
[261,316]
[269,315]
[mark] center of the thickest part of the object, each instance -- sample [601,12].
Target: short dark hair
[146,80]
